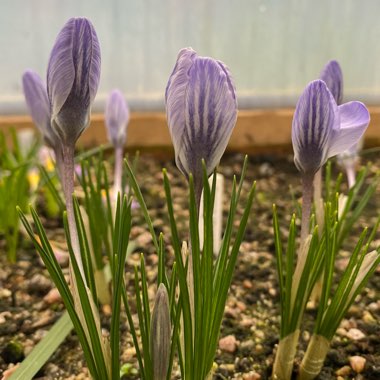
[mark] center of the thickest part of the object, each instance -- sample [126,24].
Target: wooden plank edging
[256,131]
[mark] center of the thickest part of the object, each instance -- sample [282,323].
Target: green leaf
[44,249]
[44,349]
[140,198]
[122,228]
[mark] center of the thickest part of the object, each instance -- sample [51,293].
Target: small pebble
[228,367]
[247,344]
[107,310]
[259,348]
[228,344]
[306,336]
[373,306]
[247,284]
[53,296]
[341,331]
[357,363]
[355,334]
[231,312]
[251,376]
[266,169]
[344,371]
[246,322]
[368,317]
[144,239]
[130,352]
[39,284]
[5,293]
[9,372]
[241,306]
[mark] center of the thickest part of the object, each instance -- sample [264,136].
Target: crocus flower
[201,109]
[322,129]
[73,78]
[333,77]
[117,118]
[38,104]
[72,82]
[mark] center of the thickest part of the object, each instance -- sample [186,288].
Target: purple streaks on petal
[117,118]
[333,77]
[312,127]
[210,114]
[73,78]
[175,93]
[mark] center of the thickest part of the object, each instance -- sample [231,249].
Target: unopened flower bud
[201,109]
[73,79]
[160,334]
[117,118]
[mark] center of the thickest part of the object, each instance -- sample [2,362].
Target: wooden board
[256,131]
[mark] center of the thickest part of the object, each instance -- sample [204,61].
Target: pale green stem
[68,189]
[118,172]
[59,163]
[307,194]
[319,212]
[351,175]
[198,187]
[286,351]
[320,216]
[314,358]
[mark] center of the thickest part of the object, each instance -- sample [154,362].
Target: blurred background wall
[273,47]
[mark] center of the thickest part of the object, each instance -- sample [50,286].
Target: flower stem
[68,189]
[118,173]
[320,216]
[198,188]
[319,211]
[351,175]
[59,162]
[307,195]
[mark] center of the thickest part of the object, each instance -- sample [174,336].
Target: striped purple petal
[201,108]
[73,78]
[353,122]
[333,77]
[313,123]
[117,118]
[175,94]
[38,104]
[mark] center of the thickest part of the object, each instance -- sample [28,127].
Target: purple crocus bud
[38,104]
[117,118]
[333,77]
[322,129]
[73,78]
[201,109]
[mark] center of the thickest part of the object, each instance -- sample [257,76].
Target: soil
[28,308]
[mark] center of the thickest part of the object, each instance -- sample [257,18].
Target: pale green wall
[273,47]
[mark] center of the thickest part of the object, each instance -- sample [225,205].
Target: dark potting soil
[29,304]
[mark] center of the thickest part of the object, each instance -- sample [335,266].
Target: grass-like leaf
[44,349]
